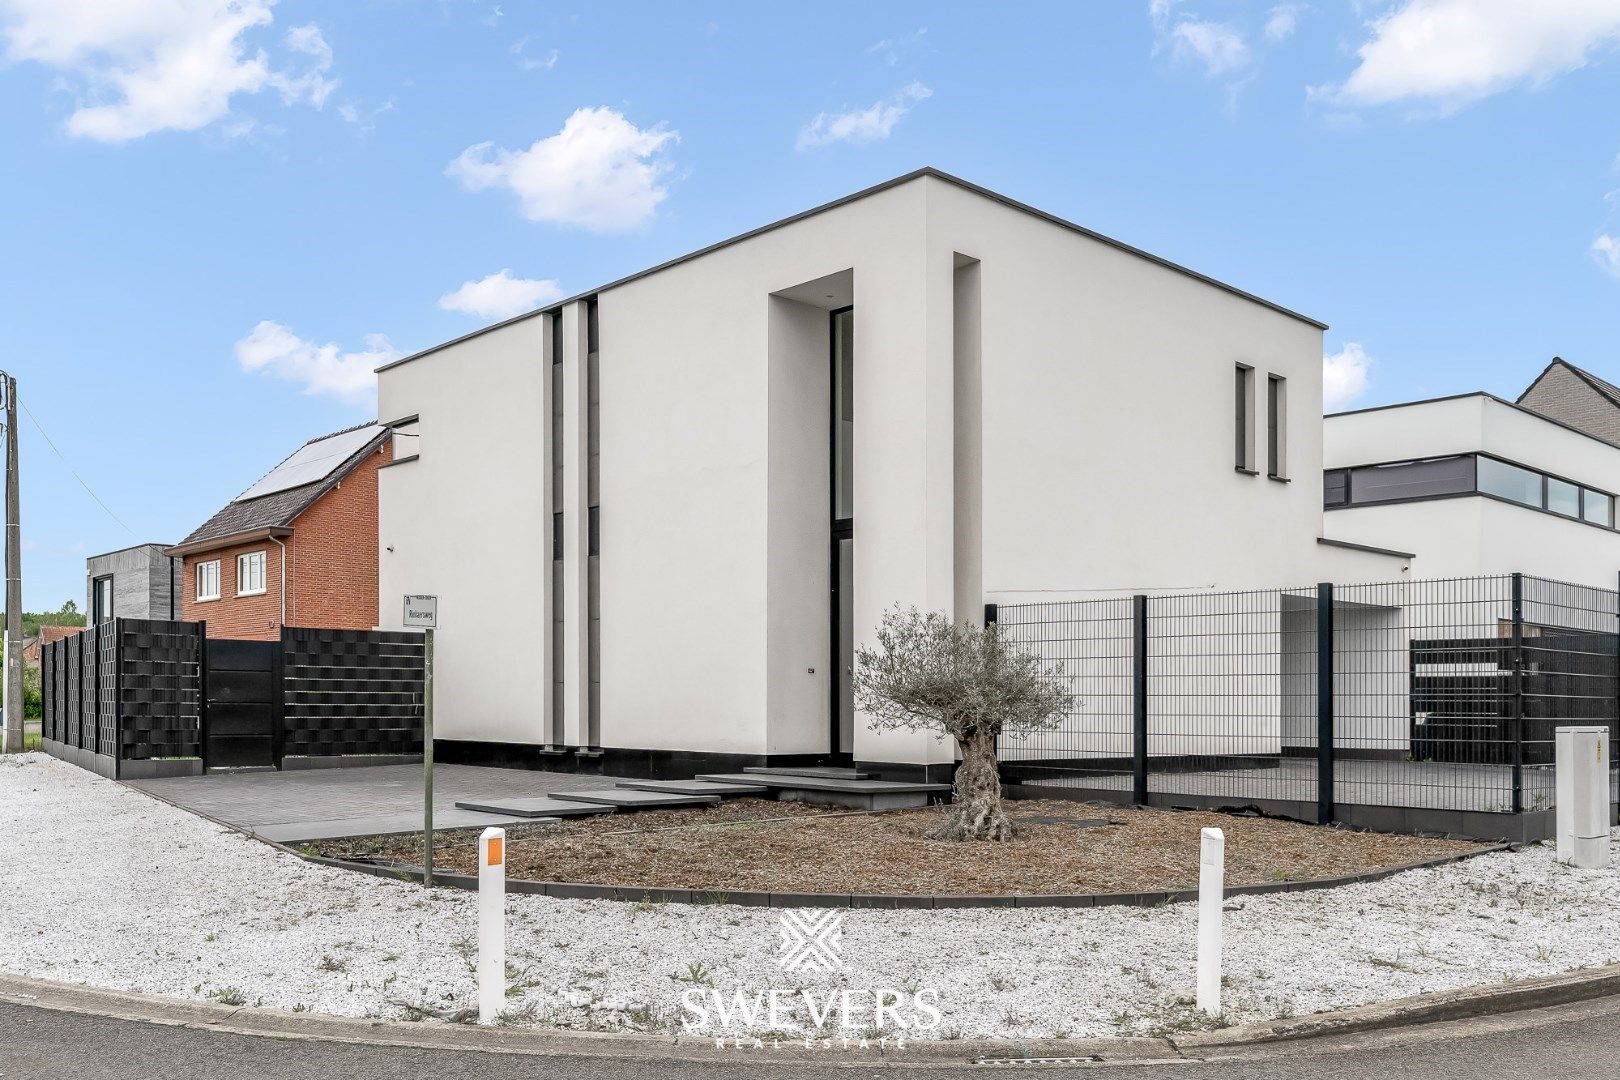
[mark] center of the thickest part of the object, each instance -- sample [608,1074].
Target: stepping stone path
[827,785]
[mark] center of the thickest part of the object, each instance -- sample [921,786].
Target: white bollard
[1581,787]
[1211,890]
[491,924]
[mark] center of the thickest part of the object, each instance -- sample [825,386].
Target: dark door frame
[841,529]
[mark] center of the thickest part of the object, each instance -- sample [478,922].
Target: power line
[69,465]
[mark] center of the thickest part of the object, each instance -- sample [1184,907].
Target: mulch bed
[1061,847]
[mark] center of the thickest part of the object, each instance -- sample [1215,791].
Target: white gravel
[108,887]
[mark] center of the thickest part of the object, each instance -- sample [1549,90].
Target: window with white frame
[250,574]
[208,580]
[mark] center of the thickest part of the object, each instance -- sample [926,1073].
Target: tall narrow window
[843,375]
[102,609]
[1243,393]
[1276,427]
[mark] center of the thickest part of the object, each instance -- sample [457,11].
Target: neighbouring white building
[659,515]
[1475,484]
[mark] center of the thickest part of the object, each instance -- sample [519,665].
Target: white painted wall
[1104,465]
[469,520]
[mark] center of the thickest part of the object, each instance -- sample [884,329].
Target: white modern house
[660,515]
[1475,484]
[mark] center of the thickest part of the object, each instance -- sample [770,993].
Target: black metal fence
[350,692]
[1414,705]
[131,697]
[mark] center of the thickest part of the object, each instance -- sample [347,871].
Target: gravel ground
[108,887]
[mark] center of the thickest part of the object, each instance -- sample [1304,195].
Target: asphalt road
[1574,1042]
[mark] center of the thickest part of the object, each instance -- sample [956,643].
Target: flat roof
[863,193]
[1488,396]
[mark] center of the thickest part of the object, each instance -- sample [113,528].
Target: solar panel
[312,462]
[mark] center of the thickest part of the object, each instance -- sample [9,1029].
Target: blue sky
[222,213]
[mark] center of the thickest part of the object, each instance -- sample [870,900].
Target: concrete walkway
[324,804]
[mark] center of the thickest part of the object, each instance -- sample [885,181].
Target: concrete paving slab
[384,825]
[534,808]
[694,787]
[826,772]
[629,799]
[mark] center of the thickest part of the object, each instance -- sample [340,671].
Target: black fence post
[1516,706]
[1139,700]
[1324,703]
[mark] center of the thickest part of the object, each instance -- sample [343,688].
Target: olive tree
[927,673]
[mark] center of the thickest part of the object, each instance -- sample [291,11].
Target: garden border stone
[657,894]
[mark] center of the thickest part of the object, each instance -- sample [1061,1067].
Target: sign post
[423,611]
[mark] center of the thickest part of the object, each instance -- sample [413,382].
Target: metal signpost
[423,612]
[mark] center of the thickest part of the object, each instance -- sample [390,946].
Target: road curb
[276,1023]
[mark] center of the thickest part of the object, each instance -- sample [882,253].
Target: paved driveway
[320,804]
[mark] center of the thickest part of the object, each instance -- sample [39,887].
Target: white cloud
[1217,46]
[1344,376]
[1282,21]
[533,63]
[273,349]
[1453,52]
[1606,253]
[144,66]
[500,296]
[862,125]
[600,172]
[891,49]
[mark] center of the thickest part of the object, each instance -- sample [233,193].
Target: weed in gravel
[1393,965]
[229,995]
[697,975]
[332,963]
[1544,953]
[1001,984]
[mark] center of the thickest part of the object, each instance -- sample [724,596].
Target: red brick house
[298,548]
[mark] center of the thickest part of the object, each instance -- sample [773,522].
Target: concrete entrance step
[834,791]
[693,787]
[825,772]
[632,799]
[535,807]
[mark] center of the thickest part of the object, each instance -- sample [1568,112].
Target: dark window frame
[1350,501]
[1243,423]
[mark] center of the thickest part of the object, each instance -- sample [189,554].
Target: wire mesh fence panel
[1424,675]
[1231,695]
[1090,643]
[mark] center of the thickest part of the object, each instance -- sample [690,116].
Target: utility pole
[14,648]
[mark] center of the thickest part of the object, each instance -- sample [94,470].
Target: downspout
[283,547]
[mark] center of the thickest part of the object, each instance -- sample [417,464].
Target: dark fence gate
[242,717]
[136,698]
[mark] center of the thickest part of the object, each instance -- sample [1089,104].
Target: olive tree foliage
[927,673]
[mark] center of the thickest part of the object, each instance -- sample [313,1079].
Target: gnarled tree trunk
[977,813]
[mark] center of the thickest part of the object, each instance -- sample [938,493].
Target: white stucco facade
[1039,413]
[1457,534]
